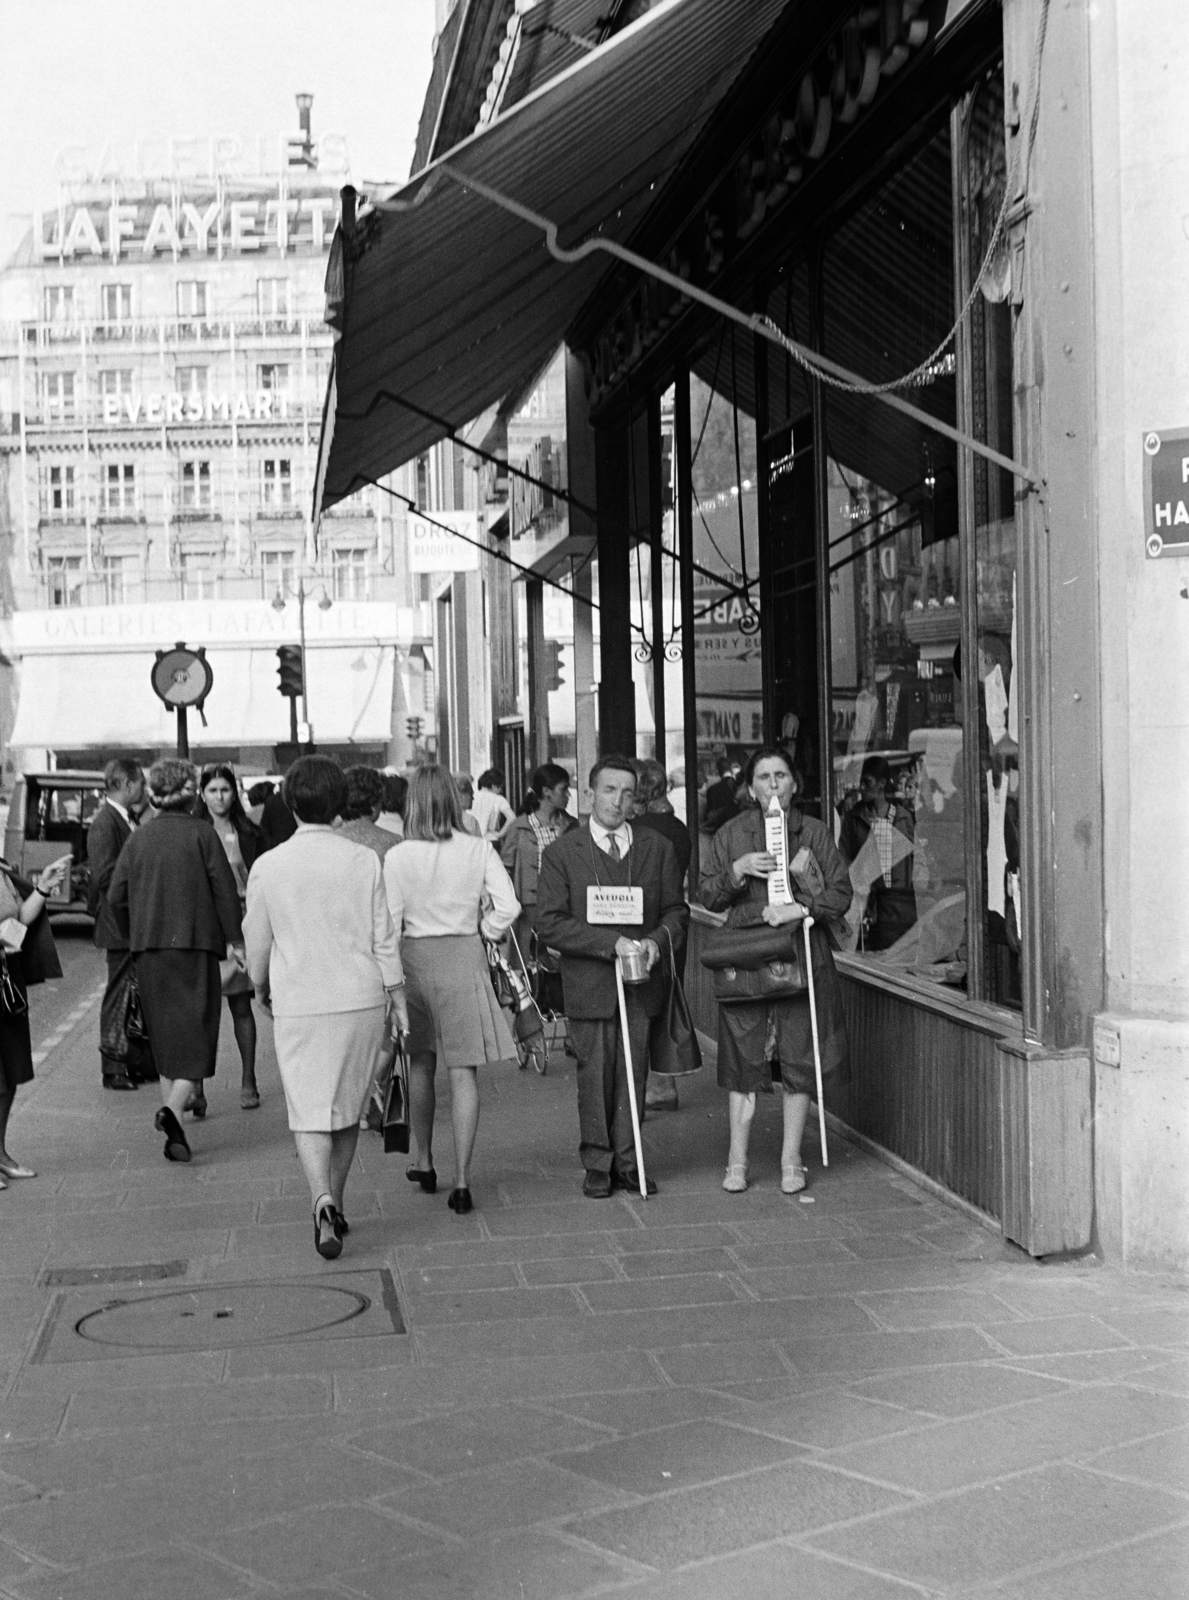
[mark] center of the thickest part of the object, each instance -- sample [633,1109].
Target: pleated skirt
[327,1063]
[181,999]
[452,1006]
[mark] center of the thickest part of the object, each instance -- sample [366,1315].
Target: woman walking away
[242,841]
[445,888]
[322,948]
[755,1041]
[175,900]
[28,957]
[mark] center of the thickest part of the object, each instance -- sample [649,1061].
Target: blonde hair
[433,809]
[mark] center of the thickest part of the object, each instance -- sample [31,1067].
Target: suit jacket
[172,888]
[106,837]
[277,822]
[588,952]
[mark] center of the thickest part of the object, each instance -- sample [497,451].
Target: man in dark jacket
[605,890]
[125,1065]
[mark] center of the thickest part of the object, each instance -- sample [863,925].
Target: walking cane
[817,1050]
[627,1056]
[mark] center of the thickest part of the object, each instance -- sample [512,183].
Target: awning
[71,701]
[452,302]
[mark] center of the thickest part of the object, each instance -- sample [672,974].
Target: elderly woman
[321,945]
[220,805]
[28,957]
[445,889]
[175,899]
[756,1040]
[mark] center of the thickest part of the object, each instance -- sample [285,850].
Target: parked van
[48,817]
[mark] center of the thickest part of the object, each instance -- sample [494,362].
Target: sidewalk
[865,1397]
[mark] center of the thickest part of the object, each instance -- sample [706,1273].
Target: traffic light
[553,677]
[289,671]
[414,726]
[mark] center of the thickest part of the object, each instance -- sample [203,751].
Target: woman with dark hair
[175,899]
[220,805]
[445,889]
[322,947]
[543,819]
[28,957]
[757,1041]
[886,870]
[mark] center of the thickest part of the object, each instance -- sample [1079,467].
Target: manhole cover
[224,1317]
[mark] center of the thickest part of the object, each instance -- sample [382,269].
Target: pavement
[858,1394]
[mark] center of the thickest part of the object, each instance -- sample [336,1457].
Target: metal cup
[634,966]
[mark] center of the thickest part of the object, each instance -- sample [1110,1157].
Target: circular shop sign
[182,677]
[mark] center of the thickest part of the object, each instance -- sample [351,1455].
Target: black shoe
[341,1226]
[427,1178]
[197,1105]
[328,1241]
[597,1186]
[176,1146]
[144,1074]
[460,1201]
[118,1080]
[631,1180]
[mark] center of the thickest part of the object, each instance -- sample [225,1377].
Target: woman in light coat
[445,889]
[323,952]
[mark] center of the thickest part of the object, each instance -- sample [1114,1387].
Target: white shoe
[793,1179]
[736,1178]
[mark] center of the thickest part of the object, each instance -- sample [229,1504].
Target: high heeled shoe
[460,1201]
[425,1176]
[177,1146]
[327,1240]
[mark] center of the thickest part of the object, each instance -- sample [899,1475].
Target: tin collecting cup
[634,966]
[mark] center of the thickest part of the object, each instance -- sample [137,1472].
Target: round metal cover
[218,1318]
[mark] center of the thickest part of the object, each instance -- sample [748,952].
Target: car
[48,817]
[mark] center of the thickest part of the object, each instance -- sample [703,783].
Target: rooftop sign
[191,221]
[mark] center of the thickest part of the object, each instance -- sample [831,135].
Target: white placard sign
[607,904]
[433,549]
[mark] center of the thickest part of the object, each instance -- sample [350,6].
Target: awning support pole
[755,322]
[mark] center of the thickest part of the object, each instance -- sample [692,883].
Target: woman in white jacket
[323,952]
[446,888]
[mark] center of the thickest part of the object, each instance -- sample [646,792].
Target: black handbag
[135,1027]
[756,964]
[395,1125]
[673,1047]
[12,1001]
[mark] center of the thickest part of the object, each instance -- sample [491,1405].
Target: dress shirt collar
[622,835]
[122,811]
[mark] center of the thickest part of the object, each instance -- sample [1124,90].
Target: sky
[99,71]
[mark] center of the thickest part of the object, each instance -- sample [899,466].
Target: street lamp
[324,604]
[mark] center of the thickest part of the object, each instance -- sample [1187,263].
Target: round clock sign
[182,677]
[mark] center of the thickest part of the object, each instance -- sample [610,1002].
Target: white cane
[627,1056]
[817,1051]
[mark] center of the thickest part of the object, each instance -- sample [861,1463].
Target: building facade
[163,363]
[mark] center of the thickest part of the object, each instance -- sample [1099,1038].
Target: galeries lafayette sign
[186,223]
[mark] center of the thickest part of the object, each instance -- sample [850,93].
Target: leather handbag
[395,1124]
[673,1047]
[753,964]
[12,1001]
[135,1027]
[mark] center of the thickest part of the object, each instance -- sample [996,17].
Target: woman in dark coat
[751,1037]
[174,897]
[33,962]
[220,805]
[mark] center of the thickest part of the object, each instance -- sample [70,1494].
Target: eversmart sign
[165,410]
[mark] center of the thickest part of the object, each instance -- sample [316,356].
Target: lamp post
[324,604]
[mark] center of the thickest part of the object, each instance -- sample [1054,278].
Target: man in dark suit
[125,1065]
[576,916]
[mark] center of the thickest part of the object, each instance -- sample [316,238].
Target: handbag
[673,1047]
[395,1123]
[135,1027]
[758,963]
[12,1001]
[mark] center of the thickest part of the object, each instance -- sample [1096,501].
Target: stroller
[533,993]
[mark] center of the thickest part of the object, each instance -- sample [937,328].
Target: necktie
[613,849]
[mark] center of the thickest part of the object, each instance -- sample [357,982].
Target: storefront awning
[452,302]
[104,700]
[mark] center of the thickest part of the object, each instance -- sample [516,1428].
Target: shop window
[116,302]
[196,486]
[192,298]
[273,376]
[58,302]
[279,571]
[60,494]
[276,483]
[199,575]
[57,393]
[349,571]
[64,580]
[119,488]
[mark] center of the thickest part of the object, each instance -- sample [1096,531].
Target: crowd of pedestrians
[361,912]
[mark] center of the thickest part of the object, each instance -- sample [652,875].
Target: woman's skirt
[327,1063]
[181,999]
[16,1051]
[752,1039]
[452,1006]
